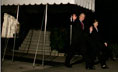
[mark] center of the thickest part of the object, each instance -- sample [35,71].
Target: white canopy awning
[89,4]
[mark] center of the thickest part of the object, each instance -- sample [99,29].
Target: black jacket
[77,32]
[96,36]
[78,36]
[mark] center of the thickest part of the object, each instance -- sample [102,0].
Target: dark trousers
[97,49]
[90,57]
[69,56]
[78,47]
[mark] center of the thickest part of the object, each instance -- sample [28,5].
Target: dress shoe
[90,68]
[68,65]
[104,67]
[113,59]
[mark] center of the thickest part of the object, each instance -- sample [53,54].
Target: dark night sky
[107,15]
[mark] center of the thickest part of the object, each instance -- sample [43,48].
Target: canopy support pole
[39,40]
[36,49]
[5,49]
[7,40]
[15,35]
[44,35]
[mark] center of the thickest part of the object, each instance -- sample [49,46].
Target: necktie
[82,25]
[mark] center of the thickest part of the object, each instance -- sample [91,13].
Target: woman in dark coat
[98,48]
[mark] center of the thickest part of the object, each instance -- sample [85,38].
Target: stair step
[26,47]
[32,47]
[39,52]
[34,43]
[30,42]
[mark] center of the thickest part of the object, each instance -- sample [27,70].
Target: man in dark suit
[78,39]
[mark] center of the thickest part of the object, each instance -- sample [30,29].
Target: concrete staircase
[29,44]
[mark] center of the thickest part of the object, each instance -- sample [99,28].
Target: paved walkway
[19,66]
